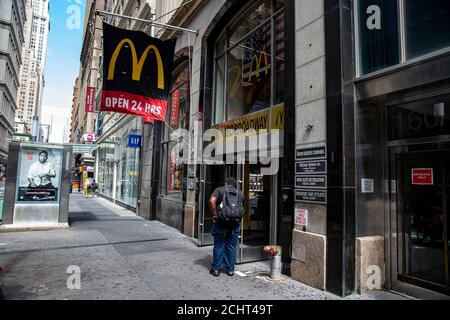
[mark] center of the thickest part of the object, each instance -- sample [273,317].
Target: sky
[62,64]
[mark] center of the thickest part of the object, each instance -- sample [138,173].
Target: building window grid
[403,58]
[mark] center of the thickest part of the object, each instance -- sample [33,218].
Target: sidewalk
[122,256]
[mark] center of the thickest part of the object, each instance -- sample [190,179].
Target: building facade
[89,74]
[359,90]
[343,108]
[32,82]
[121,167]
[12,20]
[74,118]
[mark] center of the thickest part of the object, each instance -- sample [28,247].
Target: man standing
[41,173]
[227,211]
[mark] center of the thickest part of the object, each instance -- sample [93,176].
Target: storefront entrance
[422,219]
[258,225]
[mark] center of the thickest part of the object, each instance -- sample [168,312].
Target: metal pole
[156,24]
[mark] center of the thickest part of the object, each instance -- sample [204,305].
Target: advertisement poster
[39,175]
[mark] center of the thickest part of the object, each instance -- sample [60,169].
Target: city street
[122,256]
[310,133]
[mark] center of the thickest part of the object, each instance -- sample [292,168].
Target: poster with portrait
[39,175]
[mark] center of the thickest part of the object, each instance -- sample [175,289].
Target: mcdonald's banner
[136,73]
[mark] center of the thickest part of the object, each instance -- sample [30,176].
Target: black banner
[137,72]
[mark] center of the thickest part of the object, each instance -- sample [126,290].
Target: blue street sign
[134,141]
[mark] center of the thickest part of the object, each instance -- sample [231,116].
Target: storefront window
[106,168]
[279,58]
[378,40]
[175,170]
[427,26]
[245,80]
[119,160]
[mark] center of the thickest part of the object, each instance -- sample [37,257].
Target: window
[174,169]
[249,62]
[381,23]
[427,26]
[378,47]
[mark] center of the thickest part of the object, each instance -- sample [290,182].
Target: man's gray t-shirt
[219,193]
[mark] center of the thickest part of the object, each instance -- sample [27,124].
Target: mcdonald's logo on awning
[137,72]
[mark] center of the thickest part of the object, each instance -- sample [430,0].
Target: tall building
[89,68]
[32,80]
[12,20]
[74,119]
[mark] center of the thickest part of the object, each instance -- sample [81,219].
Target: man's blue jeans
[225,244]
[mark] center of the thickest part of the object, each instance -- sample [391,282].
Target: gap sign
[422,177]
[134,141]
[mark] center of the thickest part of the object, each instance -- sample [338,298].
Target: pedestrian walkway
[122,256]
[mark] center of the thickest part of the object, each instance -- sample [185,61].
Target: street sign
[134,141]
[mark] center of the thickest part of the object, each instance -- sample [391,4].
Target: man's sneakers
[215,273]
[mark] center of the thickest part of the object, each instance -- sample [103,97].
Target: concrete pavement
[122,256]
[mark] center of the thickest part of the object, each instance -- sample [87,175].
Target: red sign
[132,104]
[90,100]
[423,177]
[175,103]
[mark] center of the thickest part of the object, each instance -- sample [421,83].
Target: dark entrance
[423,229]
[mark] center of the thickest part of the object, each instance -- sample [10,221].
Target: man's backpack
[232,209]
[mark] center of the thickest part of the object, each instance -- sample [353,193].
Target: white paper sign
[367,185]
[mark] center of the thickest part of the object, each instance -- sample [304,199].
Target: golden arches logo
[257,60]
[138,64]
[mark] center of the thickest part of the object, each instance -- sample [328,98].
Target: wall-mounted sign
[367,186]
[311,196]
[311,181]
[301,217]
[174,107]
[311,167]
[89,137]
[134,141]
[422,177]
[90,99]
[311,153]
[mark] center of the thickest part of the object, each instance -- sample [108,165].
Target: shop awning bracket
[150,22]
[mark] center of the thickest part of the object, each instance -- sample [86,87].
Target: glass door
[423,179]
[257,224]
[212,176]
